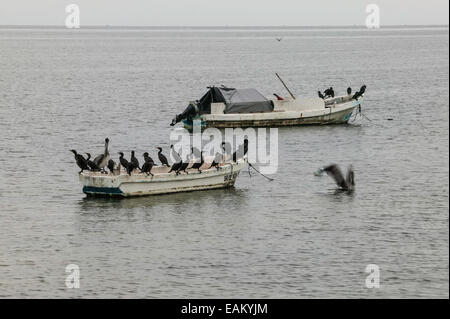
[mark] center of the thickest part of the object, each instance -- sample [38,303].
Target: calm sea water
[295,237]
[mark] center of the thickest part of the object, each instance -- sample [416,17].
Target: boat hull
[330,115]
[341,117]
[139,184]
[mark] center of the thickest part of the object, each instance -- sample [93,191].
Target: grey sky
[223,12]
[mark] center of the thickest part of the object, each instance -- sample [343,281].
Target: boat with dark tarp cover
[223,107]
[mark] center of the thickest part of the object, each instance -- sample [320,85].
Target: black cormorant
[162,158]
[175,155]
[147,158]
[92,165]
[178,162]
[111,165]
[197,165]
[241,151]
[226,147]
[134,161]
[329,92]
[147,167]
[217,160]
[123,162]
[184,165]
[81,161]
[320,95]
[359,93]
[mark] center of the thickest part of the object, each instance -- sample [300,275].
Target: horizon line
[218,26]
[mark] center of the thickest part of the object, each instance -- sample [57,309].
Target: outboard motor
[188,113]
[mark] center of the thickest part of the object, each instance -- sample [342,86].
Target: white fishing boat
[162,182]
[224,107]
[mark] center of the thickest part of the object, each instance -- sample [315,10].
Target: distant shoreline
[343,27]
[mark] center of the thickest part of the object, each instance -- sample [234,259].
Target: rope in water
[250,165]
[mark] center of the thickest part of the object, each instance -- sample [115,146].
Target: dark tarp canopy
[236,101]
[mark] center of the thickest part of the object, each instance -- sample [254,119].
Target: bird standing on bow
[346,184]
[81,161]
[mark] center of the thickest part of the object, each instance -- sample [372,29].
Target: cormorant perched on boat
[329,92]
[130,168]
[111,165]
[359,93]
[134,161]
[147,166]
[175,166]
[102,159]
[241,151]
[162,158]
[175,154]
[321,95]
[81,161]
[217,160]
[92,165]
[184,165]
[123,161]
[195,152]
[346,184]
[178,161]
[147,158]
[226,147]
[349,90]
[197,165]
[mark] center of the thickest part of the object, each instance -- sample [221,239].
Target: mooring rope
[250,165]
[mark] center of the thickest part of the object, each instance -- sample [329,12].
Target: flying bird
[347,183]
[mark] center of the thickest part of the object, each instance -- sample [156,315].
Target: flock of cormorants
[102,161]
[330,92]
